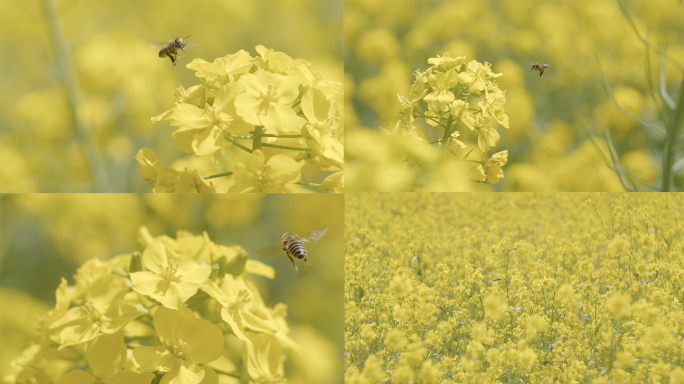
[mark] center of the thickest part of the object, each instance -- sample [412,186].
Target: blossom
[334,183]
[202,130]
[101,312]
[267,101]
[161,178]
[186,343]
[169,278]
[257,175]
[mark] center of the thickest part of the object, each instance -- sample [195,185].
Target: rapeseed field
[519,288]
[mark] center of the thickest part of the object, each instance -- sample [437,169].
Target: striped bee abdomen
[296,249]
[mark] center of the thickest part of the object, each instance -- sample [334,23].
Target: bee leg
[173,59]
[293,262]
[541,72]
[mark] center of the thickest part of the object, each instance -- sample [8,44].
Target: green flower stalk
[270,106]
[456,95]
[161,321]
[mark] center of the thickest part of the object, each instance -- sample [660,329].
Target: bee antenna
[187,36]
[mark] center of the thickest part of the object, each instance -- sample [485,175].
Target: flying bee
[171,48]
[293,246]
[539,67]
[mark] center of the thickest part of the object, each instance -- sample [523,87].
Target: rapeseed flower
[271,176]
[169,278]
[186,342]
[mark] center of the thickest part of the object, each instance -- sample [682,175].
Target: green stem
[238,144]
[282,136]
[285,147]
[447,134]
[256,138]
[218,175]
[69,77]
[240,136]
[671,140]
[308,184]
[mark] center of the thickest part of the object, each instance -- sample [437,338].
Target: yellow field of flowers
[554,126]
[514,288]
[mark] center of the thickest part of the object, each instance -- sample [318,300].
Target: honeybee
[171,48]
[293,246]
[539,67]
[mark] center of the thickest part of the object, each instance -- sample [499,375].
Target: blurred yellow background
[123,82]
[386,41]
[46,237]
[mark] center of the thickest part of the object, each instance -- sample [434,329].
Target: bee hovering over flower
[293,246]
[539,67]
[171,48]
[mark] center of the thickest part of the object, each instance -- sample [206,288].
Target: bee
[293,246]
[539,67]
[171,48]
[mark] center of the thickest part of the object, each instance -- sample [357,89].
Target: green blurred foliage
[386,41]
[44,237]
[123,81]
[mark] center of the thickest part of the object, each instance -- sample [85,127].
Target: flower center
[178,350]
[215,114]
[169,273]
[271,95]
[92,312]
[318,77]
[242,300]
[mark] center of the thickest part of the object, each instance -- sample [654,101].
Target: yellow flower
[401,285]
[494,306]
[169,278]
[372,369]
[161,178]
[618,305]
[203,130]
[487,138]
[262,356]
[267,101]
[218,73]
[334,183]
[527,358]
[394,340]
[429,372]
[618,245]
[190,181]
[255,176]
[186,342]
[325,145]
[102,311]
[106,356]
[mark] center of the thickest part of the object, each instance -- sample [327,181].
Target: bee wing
[313,236]
[269,251]
[191,44]
[156,46]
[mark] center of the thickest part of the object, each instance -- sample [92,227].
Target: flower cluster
[167,314]
[290,117]
[458,92]
[444,288]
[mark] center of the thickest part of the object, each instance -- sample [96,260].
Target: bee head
[180,42]
[288,237]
